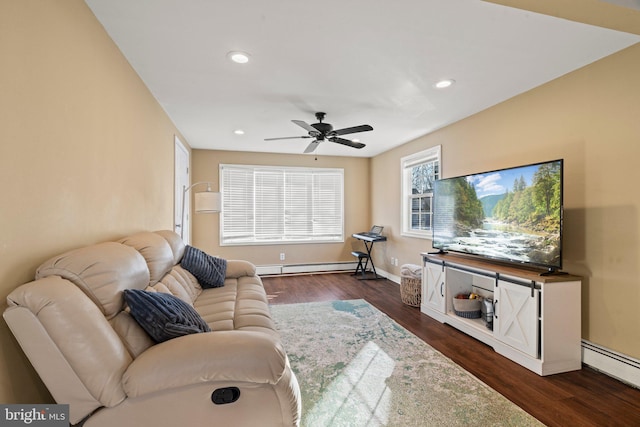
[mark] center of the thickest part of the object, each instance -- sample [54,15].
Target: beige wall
[591,118]
[357,208]
[592,12]
[86,153]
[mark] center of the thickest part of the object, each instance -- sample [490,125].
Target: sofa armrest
[230,356]
[238,268]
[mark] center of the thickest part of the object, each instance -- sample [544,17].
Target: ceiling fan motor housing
[323,128]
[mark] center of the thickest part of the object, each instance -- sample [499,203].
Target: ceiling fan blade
[287,137]
[355,129]
[347,142]
[306,126]
[312,147]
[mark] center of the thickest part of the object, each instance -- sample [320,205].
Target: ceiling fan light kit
[324,131]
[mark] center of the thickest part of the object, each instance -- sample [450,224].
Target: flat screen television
[512,215]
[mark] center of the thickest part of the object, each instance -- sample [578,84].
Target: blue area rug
[357,367]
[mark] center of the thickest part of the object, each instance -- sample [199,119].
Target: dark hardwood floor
[580,398]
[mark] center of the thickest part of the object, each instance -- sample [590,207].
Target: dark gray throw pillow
[209,270]
[163,316]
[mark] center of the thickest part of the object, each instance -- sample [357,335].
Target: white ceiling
[360,61]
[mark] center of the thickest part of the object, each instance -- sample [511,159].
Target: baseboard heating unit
[612,363]
[276,269]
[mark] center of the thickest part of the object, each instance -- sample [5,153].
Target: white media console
[537,318]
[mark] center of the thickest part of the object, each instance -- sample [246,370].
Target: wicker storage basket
[411,290]
[467,308]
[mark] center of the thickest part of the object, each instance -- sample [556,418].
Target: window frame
[432,154]
[311,173]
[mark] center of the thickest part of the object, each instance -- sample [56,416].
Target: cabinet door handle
[441,288]
[495,312]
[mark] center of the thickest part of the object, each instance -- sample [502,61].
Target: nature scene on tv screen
[512,214]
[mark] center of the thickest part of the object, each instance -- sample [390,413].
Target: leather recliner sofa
[73,324]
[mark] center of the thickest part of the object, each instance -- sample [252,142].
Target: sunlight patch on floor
[359,396]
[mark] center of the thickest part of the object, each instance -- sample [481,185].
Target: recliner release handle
[225,395]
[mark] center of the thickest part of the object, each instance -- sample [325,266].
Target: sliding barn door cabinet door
[433,288]
[516,319]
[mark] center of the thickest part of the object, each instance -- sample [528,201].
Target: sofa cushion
[241,305]
[135,339]
[180,283]
[175,242]
[156,251]
[101,271]
[163,316]
[209,270]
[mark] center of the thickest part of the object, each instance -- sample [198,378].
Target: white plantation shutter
[263,204]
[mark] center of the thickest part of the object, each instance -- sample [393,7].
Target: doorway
[182,180]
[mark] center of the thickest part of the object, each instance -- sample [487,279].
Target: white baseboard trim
[612,363]
[319,267]
[276,269]
[388,275]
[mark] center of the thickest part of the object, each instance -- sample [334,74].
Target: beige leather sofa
[72,324]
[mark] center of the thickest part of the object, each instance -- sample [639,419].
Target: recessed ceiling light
[355,140]
[442,84]
[239,57]
[238,132]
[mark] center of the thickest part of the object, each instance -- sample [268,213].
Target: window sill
[426,236]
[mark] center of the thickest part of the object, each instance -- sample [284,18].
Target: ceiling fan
[324,131]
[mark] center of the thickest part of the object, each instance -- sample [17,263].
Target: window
[270,204]
[419,171]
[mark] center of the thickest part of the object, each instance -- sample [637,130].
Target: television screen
[513,214]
